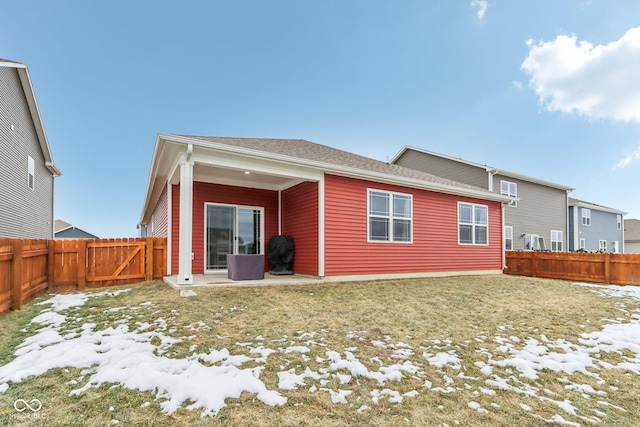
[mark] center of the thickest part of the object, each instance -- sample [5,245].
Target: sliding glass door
[231,230]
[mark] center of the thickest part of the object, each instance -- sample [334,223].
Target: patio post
[185,249]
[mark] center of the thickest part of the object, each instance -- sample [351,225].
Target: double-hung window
[556,240]
[390,216]
[473,224]
[586,216]
[509,189]
[602,245]
[508,238]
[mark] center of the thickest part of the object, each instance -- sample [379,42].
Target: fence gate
[115,261]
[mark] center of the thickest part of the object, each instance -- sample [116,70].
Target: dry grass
[461,314]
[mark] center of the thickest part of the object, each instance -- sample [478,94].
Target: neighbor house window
[509,189]
[583,244]
[390,216]
[586,216]
[619,222]
[533,242]
[508,238]
[616,247]
[602,245]
[31,170]
[556,240]
[473,224]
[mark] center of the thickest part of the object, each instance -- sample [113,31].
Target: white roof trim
[593,206]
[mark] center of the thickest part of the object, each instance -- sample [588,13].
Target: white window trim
[586,217]
[509,193]
[557,233]
[389,217]
[619,222]
[583,244]
[473,224]
[508,227]
[602,245]
[31,173]
[616,247]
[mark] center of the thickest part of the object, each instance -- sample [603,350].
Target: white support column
[185,249]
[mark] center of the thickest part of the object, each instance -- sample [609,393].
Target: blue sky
[548,89]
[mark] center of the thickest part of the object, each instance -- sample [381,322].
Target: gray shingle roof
[306,150]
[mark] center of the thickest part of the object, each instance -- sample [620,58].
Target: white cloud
[631,158]
[517,84]
[482,6]
[600,82]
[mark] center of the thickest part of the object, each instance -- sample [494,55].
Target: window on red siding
[389,216]
[473,224]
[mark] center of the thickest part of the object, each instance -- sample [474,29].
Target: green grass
[460,314]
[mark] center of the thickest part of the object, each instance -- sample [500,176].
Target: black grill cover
[280,254]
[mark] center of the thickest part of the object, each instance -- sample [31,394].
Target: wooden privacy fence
[615,269]
[30,266]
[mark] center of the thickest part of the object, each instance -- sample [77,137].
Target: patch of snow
[339,396]
[476,407]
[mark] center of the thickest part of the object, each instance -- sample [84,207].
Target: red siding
[300,220]
[435,233]
[216,193]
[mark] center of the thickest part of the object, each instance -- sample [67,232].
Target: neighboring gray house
[26,165]
[537,217]
[64,230]
[632,236]
[595,228]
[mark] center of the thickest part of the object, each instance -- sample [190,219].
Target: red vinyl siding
[435,233]
[226,194]
[300,220]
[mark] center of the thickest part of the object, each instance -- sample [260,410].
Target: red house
[349,215]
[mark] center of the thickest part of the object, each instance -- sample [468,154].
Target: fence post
[17,275]
[534,264]
[149,260]
[50,257]
[82,263]
[607,268]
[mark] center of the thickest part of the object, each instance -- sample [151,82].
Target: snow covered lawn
[456,351]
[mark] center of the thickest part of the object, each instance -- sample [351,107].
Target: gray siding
[159,224]
[445,168]
[74,233]
[24,213]
[540,210]
[603,227]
